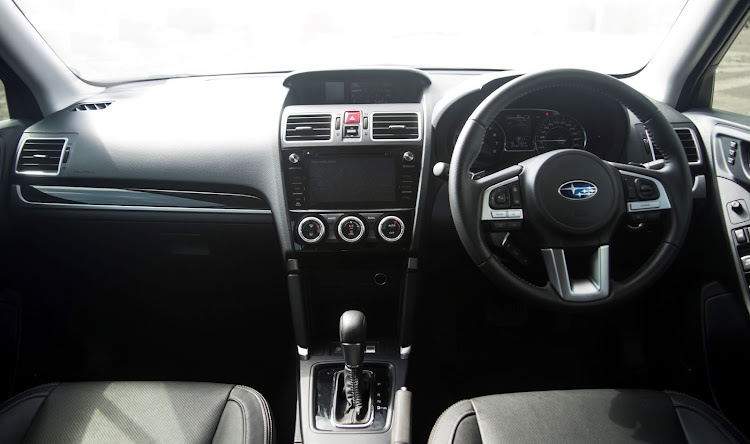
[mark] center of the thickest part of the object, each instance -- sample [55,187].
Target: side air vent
[301,128]
[395,126]
[40,156]
[689,144]
[90,106]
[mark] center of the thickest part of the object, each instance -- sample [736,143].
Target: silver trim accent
[487,211]
[662,203]
[699,187]
[347,219]
[371,419]
[19,149]
[138,208]
[404,352]
[594,288]
[351,210]
[322,230]
[380,229]
[420,132]
[302,353]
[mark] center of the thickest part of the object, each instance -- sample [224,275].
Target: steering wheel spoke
[591,288]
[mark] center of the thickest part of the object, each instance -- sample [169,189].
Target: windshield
[111,41]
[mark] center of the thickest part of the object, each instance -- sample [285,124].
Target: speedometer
[559,132]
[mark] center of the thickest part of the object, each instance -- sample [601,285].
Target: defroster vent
[307,127]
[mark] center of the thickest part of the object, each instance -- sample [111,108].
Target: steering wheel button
[635,206]
[740,235]
[500,198]
[499,214]
[515,213]
[515,195]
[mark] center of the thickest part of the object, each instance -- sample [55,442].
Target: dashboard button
[351,117]
[351,131]
[745,263]
[740,235]
[294,158]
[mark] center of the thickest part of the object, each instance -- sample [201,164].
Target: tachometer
[559,132]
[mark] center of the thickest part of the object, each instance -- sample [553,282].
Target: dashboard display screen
[351,180]
[518,132]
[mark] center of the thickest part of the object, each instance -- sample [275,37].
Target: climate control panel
[346,231]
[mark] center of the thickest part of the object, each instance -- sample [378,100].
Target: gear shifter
[353,332]
[352,405]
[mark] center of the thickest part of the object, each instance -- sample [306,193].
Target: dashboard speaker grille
[308,127]
[395,126]
[40,156]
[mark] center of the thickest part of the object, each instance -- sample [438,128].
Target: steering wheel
[570,198]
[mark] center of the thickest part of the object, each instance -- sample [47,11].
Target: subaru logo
[577,190]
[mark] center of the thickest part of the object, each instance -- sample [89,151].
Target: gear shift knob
[353,334]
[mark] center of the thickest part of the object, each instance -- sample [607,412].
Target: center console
[351,175]
[352,156]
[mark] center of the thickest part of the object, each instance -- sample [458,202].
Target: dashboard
[340,159]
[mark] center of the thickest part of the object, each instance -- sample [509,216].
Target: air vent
[91,106]
[40,156]
[689,143]
[395,126]
[301,128]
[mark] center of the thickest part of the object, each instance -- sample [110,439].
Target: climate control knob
[311,230]
[391,228]
[351,229]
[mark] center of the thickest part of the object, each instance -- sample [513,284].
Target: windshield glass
[111,41]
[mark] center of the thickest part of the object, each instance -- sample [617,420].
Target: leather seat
[136,412]
[583,416]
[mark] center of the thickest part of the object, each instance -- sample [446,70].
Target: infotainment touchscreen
[351,179]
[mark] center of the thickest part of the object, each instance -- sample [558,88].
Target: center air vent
[395,126]
[91,106]
[40,156]
[689,144]
[307,127]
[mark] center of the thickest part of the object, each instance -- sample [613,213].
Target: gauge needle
[553,140]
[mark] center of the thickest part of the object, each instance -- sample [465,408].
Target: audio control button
[311,230]
[294,157]
[391,228]
[351,229]
[408,156]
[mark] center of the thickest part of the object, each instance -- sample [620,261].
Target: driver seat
[583,416]
[142,412]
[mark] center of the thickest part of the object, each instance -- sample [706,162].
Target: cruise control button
[740,235]
[500,198]
[646,189]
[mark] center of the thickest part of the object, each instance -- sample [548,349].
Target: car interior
[388,244]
